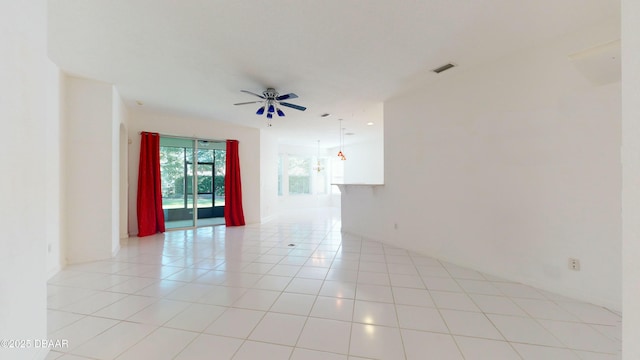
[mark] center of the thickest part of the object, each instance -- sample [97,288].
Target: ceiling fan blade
[252,93]
[248,102]
[293,106]
[287,96]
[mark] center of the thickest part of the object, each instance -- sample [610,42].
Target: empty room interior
[320,180]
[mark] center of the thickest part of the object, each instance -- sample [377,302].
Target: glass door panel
[190,195]
[205,185]
[211,159]
[220,166]
[176,175]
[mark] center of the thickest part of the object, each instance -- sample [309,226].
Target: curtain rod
[184,137]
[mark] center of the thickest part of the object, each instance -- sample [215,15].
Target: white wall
[365,161]
[510,168]
[631,174]
[52,162]
[24,86]
[176,125]
[90,159]
[268,175]
[119,170]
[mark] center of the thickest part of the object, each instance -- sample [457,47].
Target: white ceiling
[343,57]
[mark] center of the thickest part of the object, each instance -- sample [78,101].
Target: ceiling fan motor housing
[270,94]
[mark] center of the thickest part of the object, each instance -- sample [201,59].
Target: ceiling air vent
[442,68]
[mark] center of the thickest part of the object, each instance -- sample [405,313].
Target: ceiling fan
[271,101]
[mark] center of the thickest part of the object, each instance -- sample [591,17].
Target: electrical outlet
[49,248]
[574,264]
[395,226]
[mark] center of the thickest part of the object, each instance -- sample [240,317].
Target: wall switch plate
[574,264]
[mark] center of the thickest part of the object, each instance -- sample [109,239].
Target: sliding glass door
[211,165]
[187,165]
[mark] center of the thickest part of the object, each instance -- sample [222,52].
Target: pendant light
[340,153]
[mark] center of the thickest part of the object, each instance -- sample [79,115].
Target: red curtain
[233,213]
[150,214]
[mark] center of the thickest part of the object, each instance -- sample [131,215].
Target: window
[299,175]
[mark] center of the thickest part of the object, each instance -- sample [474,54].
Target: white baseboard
[267,219]
[43,353]
[53,271]
[115,250]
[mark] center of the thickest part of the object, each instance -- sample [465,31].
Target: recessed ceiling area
[343,58]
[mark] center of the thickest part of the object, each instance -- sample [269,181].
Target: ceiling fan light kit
[271,100]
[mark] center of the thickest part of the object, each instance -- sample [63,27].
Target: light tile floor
[246,293]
